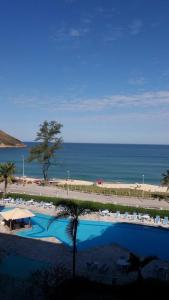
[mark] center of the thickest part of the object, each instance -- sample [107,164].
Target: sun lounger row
[31,202]
[135,216]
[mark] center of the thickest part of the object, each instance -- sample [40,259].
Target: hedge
[93,205]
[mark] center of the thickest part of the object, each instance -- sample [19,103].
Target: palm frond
[70,229]
[134,261]
[147,260]
[73,209]
[165,179]
[60,215]
[7,169]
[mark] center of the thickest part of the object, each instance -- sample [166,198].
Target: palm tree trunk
[74,250]
[5,186]
[45,172]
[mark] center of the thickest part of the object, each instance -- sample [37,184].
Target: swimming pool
[143,240]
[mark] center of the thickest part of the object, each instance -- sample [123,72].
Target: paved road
[34,189]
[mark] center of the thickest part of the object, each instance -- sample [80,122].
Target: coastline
[110,185]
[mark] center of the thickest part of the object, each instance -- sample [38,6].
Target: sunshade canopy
[16,213]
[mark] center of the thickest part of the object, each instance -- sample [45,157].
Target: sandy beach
[111,185]
[56,191]
[134,186]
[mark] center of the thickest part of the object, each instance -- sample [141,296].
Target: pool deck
[99,263]
[89,262]
[92,216]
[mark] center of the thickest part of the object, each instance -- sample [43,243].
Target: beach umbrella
[16,214]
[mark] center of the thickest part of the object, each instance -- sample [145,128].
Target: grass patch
[114,192]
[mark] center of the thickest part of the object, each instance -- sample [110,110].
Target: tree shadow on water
[143,240]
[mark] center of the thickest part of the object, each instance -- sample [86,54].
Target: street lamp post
[68,174]
[143,184]
[68,177]
[23,166]
[143,178]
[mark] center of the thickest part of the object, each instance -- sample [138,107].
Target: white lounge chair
[157,220]
[7,200]
[117,215]
[104,212]
[165,221]
[134,216]
[145,217]
[30,202]
[126,214]
[47,205]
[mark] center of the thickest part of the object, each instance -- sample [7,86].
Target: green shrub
[93,205]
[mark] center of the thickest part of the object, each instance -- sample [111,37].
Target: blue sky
[101,68]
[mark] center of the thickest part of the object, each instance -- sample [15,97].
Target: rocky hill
[8,141]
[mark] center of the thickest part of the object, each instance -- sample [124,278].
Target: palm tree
[73,211]
[165,179]
[7,171]
[136,264]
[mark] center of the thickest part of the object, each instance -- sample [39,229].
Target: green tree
[49,142]
[165,179]
[73,211]
[136,264]
[7,171]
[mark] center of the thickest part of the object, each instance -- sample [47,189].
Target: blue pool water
[140,239]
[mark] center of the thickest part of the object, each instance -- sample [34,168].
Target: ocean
[110,162]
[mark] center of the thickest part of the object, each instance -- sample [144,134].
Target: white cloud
[70,1]
[87,20]
[74,33]
[150,101]
[165,74]
[59,35]
[114,34]
[65,34]
[107,13]
[137,80]
[135,27]
[119,32]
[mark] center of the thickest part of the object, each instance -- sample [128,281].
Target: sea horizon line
[104,143]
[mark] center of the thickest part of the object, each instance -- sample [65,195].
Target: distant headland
[7,141]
